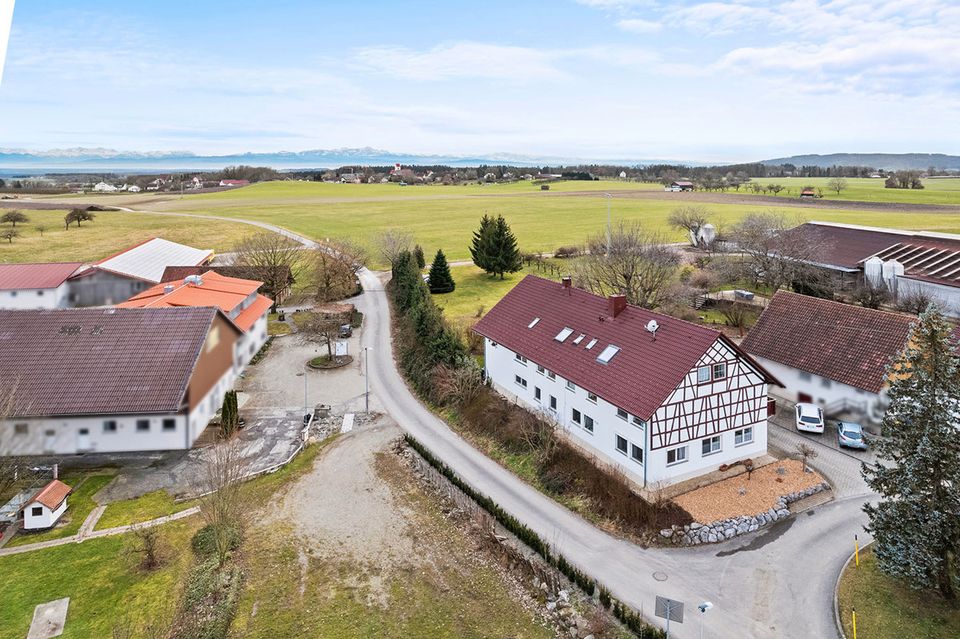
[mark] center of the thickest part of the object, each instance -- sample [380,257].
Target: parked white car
[809,418]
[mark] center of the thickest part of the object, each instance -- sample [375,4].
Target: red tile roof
[100,361]
[52,495]
[225,293]
[36,275]
[638,378]
[842,342]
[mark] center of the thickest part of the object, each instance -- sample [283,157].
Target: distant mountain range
[888,161]
[110,160]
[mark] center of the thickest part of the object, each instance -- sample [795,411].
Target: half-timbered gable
[662,399]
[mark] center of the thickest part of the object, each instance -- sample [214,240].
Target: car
[307,418]
[346,330]
[809,418]
[850,435]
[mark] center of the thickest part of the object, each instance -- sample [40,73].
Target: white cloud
[639,25]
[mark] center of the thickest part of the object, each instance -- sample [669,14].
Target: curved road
[777,582]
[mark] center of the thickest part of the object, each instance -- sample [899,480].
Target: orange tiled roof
[225,293]
[52,495]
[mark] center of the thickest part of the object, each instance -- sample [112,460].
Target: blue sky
[584,78]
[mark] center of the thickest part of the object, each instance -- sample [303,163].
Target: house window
[703,374]
[806,377]
[743,436]
[551,375]
[169,424]
[39,293]
[676,455]
[553,403]
[37,511]
[588,423]
[639,423]
[20,429]
[110,426]
[592,398]
[84,431]
[636,453]
[13,293]
[519,380]
[719,370]
[520,358]
[622,414]
[710,445]
[826,383]
[536,393]
[622,444]
[143,425]
[571,386]
[576,416]
[541,369]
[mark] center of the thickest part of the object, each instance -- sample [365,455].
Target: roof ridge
[851,307]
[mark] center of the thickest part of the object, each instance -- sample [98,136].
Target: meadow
[944,191]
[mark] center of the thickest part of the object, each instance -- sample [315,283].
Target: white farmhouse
[104,187]
[44,509]
[828,353]
[662,399]
[25,286]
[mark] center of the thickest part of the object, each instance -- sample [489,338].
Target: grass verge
[158,503]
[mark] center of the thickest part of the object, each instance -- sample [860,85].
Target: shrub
[204,544]
[565,252]
[604,597]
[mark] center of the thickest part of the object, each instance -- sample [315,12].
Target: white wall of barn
[32,298]
[503,368]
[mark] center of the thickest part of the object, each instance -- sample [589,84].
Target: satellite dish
[652,326]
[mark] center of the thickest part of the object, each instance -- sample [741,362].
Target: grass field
[79,504]
[156,504]
[111,232]
[102,583]
[475,289]
[935,191]
[890,610]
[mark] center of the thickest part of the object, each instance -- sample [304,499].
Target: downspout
[646,457]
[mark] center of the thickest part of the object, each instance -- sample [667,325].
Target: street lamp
[366,378]
[703,608]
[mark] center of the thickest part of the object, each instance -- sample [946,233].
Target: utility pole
[366,379]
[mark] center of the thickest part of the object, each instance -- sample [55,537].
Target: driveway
[777,582]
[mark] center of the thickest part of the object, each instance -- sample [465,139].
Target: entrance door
[804,398]
[49,440]
[83,440]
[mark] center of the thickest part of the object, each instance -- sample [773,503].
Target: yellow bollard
[854,623]
[856,551]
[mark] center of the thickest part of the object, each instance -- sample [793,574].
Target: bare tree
[458,386]
[837,184]
[916,300]
[9,235]
[639,265]
[540,435]
[221,506]
[41,228]
[336,265]
[870,295]
[275,260]
[145,542]
[392,243]
[14,216]
[737,315]
[777,255]
[690,219]
[806,452]
[321,329]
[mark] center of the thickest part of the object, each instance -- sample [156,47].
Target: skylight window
[591,343]
[608,353]
[535,321]
[564,334]
[579,338]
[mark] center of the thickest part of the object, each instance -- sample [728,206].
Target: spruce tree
[479,247]
[229,413]
[916,524]
[502,251]
[418,255]
[440,280]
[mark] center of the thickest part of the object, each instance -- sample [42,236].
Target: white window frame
[617,438]
[588,423]
[710,441]
[700,377]
[137,424]
[634,449]
[591,397]
[519,381]
[745,435]
[723,367]
[680,455]
[553,403]
[537,394]
[551,375]
[576,416]
[110,426]
[639,423]
[541,369]
[622,414]
[571,386]
[520,358]
[536,320]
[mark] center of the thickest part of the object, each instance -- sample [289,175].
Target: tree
[41,228]
[737,315]
[336,265]
[220,506]
[229,414]
[392,244]
[806,453]
[837,184]
[78,216]
[9,235]
[777,255]
[145,541]
[690,219]
[775,188]
[916,523]
[418,255]
[440,280]
[321,329]
[494,247]
[14,216]
[274,259]
[870,295]
[916,300]
[639,265]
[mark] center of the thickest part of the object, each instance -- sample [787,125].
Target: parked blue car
[850,435]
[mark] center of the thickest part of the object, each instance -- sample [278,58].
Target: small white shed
[44,509]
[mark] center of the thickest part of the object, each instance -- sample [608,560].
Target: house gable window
[676,455]
[703,374]
[719,370]
[710,445]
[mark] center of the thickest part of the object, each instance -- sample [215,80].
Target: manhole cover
[660,576]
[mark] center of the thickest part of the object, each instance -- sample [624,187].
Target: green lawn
[935,191]
[103,584]
[111,232]
[79,504]
[152,505]
[476,289]
[887,609]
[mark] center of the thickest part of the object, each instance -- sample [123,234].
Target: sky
[605,79]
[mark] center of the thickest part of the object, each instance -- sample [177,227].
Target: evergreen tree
[502,250]
[229,413]
[440,280]
[479,247]
[418,255]
[916,524]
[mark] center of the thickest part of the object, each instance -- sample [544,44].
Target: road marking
[347,423]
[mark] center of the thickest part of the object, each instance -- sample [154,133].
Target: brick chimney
[616,304]
[567,281]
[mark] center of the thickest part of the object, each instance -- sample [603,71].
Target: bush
[566,252]
[604,597]
[204,545]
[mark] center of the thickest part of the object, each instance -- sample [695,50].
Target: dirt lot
[739,496]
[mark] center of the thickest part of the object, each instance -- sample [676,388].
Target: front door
[49,440]
[803,398]
[83,440]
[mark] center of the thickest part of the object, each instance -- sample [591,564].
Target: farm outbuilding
[45,508]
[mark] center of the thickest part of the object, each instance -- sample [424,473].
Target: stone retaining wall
[696,533]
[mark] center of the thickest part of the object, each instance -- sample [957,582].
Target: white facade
[832,396]
[66,435]
[103,187]
[36,516]
[252,341]
[32,298]
[697,429]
